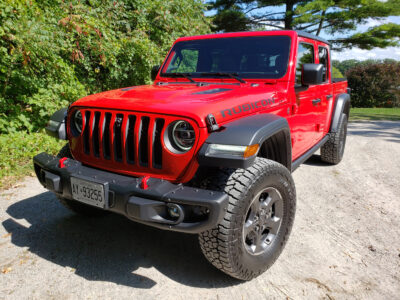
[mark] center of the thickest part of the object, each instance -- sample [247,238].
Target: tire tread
[217,244]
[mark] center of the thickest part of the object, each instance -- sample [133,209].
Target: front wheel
[257,224]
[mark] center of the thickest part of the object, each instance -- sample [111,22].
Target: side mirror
[312,74]
[154,72]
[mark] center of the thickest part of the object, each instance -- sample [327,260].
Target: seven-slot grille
[133,139]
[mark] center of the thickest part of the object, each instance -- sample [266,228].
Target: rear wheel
[75,206]
[257,224]
[332,151]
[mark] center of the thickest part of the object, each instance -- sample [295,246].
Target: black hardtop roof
[311,36]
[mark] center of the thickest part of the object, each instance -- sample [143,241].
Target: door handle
[328,97]
[316,101]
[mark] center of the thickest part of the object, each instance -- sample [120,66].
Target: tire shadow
[315,160]
[110,248]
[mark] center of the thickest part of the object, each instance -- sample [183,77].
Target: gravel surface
[345,242]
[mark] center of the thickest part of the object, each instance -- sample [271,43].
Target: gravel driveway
[345,242]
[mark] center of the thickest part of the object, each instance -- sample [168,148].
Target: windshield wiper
[184,75]
[220,74]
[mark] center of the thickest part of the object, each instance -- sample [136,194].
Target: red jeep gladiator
[209,147]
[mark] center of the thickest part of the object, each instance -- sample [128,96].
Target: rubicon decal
[247,107]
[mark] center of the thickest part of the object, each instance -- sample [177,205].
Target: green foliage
[53,52]
[340,18]
[186,63]
[231,20]
[379,36]
[17,150]
[345,65]
[375,85]
[336,73]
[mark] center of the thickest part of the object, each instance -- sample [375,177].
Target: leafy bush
[17,150]
[336,73]
[53,52]
[375,85]
[345,65]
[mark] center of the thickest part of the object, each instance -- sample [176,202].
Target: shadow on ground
[110,248]
[388,130]
[315,160]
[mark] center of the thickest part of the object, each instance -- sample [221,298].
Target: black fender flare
[56,126]
[246,131]
[342,105]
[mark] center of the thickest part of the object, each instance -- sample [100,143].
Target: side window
[305,55]
[323,59]
[184,61]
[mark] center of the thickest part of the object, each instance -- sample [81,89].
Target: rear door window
[324,60]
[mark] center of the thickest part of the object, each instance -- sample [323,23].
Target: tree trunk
[321,22]
[289,14]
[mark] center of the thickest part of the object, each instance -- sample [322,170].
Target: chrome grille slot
[95,134]
[118,137]
[144,141]
[130,140]
[157,147]
[86,133]
[106,137]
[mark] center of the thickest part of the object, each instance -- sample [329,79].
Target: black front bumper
[202,209]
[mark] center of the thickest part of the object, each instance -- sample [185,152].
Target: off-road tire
[75,206]
[224,245]
[332,151]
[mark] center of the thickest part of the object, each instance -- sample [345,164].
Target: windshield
[247,57]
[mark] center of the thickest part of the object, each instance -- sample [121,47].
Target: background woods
[339,19]
[53,52]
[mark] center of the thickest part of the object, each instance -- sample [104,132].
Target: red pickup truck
[209,147]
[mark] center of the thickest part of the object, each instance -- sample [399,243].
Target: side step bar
[309,153]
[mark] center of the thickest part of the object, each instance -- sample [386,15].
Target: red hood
[224,101]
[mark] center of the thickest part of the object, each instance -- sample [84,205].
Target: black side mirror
[312,74]
[154,72]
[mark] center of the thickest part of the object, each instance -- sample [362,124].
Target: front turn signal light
[251,150]
[232,150]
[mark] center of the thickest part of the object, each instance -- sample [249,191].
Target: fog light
[174,211]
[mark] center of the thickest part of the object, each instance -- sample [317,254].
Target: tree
[345,65]
[334,17]
[375,84]
[53,52]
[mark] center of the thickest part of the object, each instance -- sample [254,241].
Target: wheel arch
[342,105]
[270,131]
[278,147]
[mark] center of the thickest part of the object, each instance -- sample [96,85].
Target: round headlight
[78,121]
[183,136]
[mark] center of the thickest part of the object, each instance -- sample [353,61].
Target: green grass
[16,153]
[391,114]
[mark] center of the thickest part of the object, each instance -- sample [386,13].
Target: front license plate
[88,192]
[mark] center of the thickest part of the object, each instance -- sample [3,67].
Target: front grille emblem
[118,121]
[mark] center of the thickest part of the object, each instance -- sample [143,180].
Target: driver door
[303,120]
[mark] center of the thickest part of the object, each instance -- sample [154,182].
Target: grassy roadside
[390,114]
[16,152]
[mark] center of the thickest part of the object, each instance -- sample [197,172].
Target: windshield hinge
[212,123]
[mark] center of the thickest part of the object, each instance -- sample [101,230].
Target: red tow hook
[143,182]
[61,162]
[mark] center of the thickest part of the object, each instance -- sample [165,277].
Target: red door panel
[303,117]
